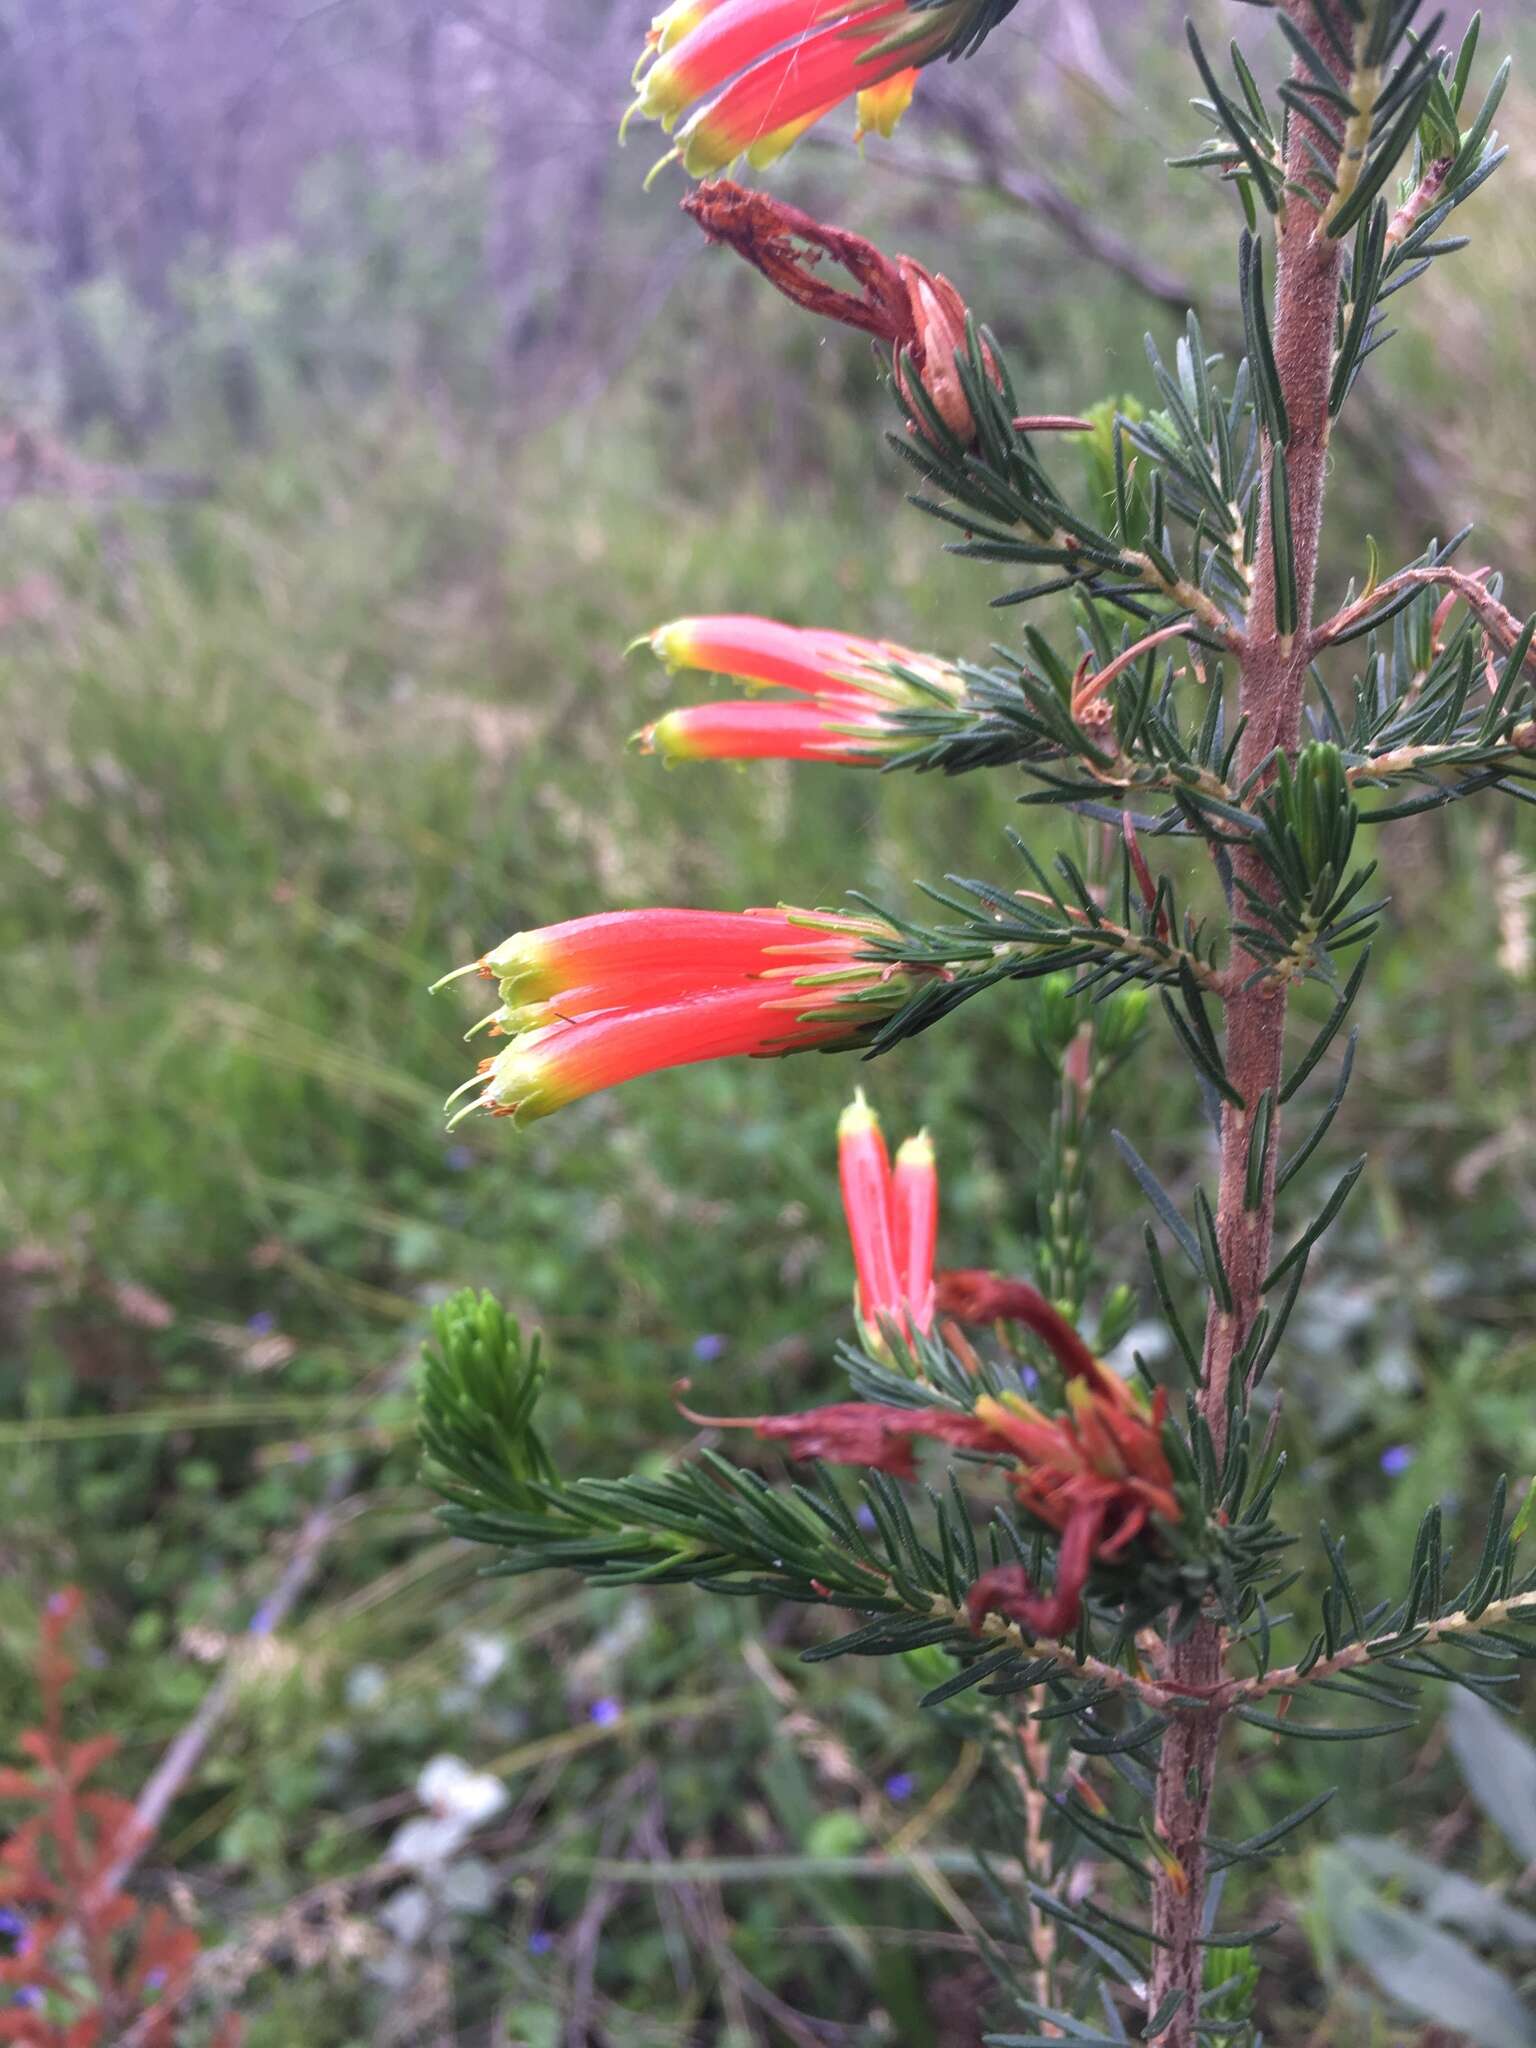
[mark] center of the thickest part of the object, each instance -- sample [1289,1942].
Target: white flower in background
[458,1800]
[449,1786]
[485,1658]
[1514,893]
[367,1685]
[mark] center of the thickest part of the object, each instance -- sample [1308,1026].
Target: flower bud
[915,1224]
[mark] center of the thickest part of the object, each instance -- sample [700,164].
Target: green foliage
[1228,474]
[1308,819]
[1431,1939]
[731,1531]
[280,756]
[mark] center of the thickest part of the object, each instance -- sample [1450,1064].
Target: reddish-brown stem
[1271,687]
[1496,619]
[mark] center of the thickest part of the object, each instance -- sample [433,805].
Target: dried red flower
[869,1434]
[919,315]
[972,1295]
[1097,1473]
[1007,1589]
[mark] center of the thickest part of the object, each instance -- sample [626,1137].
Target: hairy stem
[1272,683]
[1357,1656]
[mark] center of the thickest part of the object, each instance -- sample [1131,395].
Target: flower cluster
[1096,1475]
[599,1000]
[753,75]
[842,693]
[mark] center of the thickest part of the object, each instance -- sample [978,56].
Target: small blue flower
[30,1996]
[459,1158]
[900,1785]
[262,1324]
[708,1348]
[1396,1459]
[864,1515]
[154,1980]
[12,1926]
[605,1712]
[540,1942]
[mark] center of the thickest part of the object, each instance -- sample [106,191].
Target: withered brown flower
[918,313]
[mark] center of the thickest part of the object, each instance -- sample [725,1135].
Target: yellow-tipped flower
[758,73]
[847,691]
[880,107]
[893,1220]
[599,1000]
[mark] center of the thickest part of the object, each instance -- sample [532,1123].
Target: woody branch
[1273,676]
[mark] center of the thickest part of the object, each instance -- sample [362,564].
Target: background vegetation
[279,755]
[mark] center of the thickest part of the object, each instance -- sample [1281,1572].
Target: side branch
[1355,1655]
[1496,619]
[994,1628]
[1189,597]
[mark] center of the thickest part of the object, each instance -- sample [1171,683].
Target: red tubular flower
[777,66]
[614,944]
[853,684]
[769,107]
[692,51]
[892,1221]
[816,661]
[915,1224]
[600,1000]
[762,732]
[864,1173]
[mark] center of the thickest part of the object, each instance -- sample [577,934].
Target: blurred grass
[279,760]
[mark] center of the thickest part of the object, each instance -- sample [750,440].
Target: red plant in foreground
[599,1000]
[80,1964]
[1096,1474]
[845,689]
